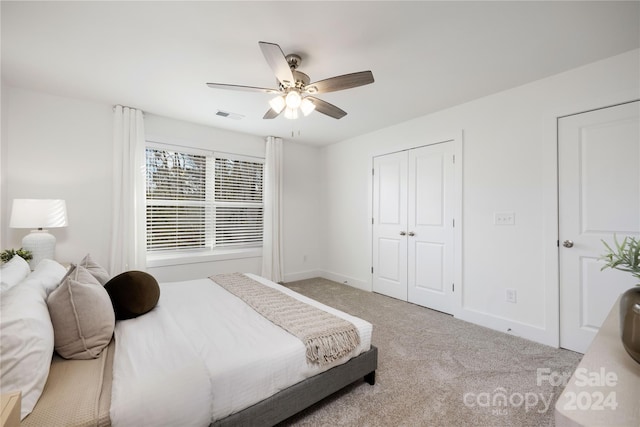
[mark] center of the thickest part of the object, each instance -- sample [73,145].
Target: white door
[390,225]
[430,226]
[413,241]
[599,196]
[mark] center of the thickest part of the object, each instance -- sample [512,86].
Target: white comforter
[203,354]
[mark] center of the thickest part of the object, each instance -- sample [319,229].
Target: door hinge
[372,222]
[373,171]
[558,243]
[453,287]
[454,158]
[371,270]
[454,222]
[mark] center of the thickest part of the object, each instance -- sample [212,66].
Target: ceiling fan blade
[242,88]
[326,108]
[345,81]
[271,114]
[278,63]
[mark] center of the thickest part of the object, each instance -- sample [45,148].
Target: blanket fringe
[328,348]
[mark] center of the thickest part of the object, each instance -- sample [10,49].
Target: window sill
[181,258]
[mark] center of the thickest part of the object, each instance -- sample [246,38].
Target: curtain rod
[125,106]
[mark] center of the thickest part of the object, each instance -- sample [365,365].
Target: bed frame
[70,386]
[78,392]
[294,399]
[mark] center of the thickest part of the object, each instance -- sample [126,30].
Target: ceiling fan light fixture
[293,99]
[291,113]
[294,87]
[277,104]
[307,106]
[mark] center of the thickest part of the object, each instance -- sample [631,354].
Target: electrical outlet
[504,218]
[511,295]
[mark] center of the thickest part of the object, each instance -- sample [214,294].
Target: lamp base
[41,244]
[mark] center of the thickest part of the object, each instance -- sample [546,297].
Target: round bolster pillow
[132,293]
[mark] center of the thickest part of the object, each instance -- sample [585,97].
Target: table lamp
[38,214]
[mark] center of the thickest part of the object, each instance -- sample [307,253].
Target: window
[199,200]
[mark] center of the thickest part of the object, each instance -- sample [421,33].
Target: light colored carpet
[434,370]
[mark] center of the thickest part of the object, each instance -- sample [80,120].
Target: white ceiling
[425,56]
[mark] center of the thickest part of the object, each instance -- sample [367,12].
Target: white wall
[303,248]
[56,147]
[172,131]
[510,159]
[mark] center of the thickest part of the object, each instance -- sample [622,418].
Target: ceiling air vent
[229,115]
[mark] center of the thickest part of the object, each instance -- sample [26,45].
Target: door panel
[389,252]
[390,215]
[599,197]
[391,180]
[430,272]
[605,176]
[431,247]
[596,288]
[429,189]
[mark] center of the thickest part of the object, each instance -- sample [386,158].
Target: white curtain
[128,232]
[272,234]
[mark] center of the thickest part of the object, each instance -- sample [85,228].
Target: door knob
[411,233]
[402,233]
[567,244]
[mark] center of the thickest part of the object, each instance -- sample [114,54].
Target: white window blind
[200,201]
[238,202]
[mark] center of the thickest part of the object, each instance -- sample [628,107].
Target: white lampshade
[277,104]
[293,99]
[38,214]
[307,106]
[291,113]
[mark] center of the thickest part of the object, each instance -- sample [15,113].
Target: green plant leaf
[625,257]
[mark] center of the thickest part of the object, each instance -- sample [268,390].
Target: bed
[202,356]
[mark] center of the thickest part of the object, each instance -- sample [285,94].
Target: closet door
[390,225]
[430,226]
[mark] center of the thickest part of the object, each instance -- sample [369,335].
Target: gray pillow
[82,316]
[95,269]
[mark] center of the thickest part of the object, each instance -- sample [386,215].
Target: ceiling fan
[295,92]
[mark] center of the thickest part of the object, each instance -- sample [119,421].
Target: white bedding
[203,354]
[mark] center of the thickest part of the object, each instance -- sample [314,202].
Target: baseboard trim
[340,278]
[302,275]
[522,330]
[346,280]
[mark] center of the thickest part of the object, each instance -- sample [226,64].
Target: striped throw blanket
[326,337]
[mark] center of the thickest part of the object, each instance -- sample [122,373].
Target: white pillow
[26,346]
[47,275]
[13,272]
